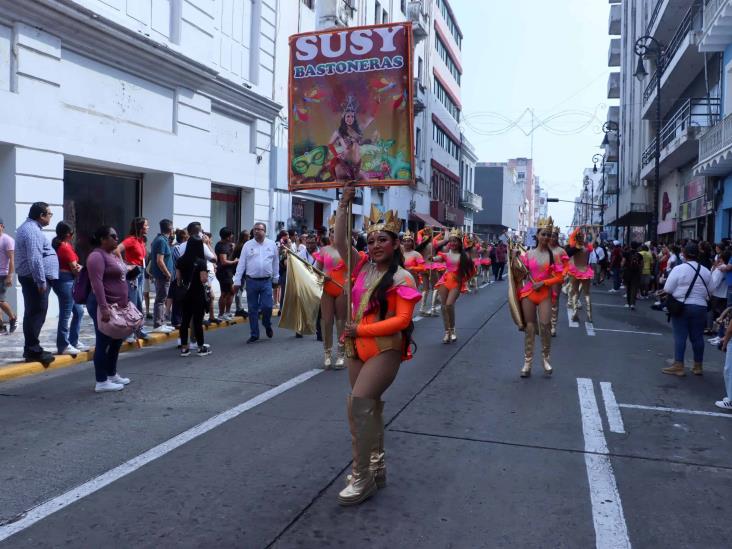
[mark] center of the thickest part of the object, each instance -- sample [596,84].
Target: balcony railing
[415,14]
[711,8]
[692,21]
[716,139]
[654,15]
[472,201]
[694,112]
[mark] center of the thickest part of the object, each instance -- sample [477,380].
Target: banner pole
[349,343]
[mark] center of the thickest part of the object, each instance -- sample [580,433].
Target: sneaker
[714,340]
[131,339]
[725,404]
[612,291]
[12,325]
[71,351]
[83,347]
[185,352]
[116,378]
[107,386]
[626,306]
[622,287]
[161,330]
[632,307]
[204,350]
[170,328]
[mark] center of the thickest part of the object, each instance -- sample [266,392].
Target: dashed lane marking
[60,502]
[627,331]
[611,531]
[590,329]
[594,304]
[572,323]
[675,410]
[614,417]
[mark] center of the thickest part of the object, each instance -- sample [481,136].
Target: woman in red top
[67,337]
[132,250]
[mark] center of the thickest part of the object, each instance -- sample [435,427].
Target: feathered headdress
[388,221]
[350,105]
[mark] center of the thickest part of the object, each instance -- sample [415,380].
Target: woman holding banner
[383,299]
[333,303]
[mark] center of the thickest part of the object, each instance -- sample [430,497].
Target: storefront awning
[426,219]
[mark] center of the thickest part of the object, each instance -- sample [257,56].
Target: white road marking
[614,417]
[589,328]
[611,531]
[572,323]
[60,502]
[607,305]
[627,331]
[417,318]
[675,410]
[484,285]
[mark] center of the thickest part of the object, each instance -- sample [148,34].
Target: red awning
[427,219]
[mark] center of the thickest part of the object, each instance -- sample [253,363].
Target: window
[445,141]
[450,22]
[308,3]
[420,70]
[441,94]
[444,53]
[377,13]
[384,17]
[417,142]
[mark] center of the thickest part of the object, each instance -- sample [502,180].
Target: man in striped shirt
[37,265]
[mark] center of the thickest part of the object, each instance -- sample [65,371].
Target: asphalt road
[607,452]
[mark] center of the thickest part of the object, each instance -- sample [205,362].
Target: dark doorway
[225,208]
[94,199]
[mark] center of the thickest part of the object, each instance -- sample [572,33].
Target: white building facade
[120,108]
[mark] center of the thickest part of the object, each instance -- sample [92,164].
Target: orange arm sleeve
[558,278]
[393,325]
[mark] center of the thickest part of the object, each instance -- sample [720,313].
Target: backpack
[635,262]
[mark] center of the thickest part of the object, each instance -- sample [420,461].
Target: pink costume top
[334,268]
[581,273]
[550,274]
[414,262]
[403,286]
[449,278]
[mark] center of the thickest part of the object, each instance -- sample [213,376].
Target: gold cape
[303,290]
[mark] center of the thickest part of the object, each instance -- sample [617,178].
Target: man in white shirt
[259,262]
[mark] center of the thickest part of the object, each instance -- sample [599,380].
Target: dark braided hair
[465,264]
[386,282]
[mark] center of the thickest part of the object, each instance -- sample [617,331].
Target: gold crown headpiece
[408,235]
[331,221]
[387,221]
[545,223]
[455,232]
[350,105]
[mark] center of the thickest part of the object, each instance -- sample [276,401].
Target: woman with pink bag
[107,277]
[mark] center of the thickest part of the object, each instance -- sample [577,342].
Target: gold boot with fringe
[362,421]
[529,336]
[588,302]
[555,317]
[545,332]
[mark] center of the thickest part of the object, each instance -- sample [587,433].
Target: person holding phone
[133,251]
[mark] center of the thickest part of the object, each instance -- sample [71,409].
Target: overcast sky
[547,56]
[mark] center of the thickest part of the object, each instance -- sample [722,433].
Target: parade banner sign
[350,101]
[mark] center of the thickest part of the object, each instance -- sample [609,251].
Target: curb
[25,369]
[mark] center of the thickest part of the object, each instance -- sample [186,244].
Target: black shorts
[226,285]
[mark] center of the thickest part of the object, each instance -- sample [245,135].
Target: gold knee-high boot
[574,301]
[529,335]
[340,361]
[433,310]
[451,317]
[588,302]
[555,317]
[362,420]
[423,307]
[446,324]
[377,463]
[545,332]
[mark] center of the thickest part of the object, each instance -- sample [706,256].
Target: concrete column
[28,176]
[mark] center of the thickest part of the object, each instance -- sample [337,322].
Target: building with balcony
[116,109]
[470,202]
[689,104]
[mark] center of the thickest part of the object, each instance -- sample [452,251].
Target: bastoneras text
[348,67]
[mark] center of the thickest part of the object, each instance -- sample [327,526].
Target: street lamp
[587,180]
[612,127]
[595,159]
[646,47]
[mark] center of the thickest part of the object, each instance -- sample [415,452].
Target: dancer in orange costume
[425,246]
[580,273]
[543,269]
[471,245]
[383,299]
[454,281]
[413,260]
[558,251]
[333,301]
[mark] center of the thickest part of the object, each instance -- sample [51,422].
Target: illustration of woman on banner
[347,141]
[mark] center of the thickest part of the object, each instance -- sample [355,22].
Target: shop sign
[693,209]
[350,104]
[694,189]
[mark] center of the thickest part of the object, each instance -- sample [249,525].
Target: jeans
[106,349]
[728,371]
[36,307]
[134,294]
[67,334]
[689,325]
[162,286]
[632,285]
[259,298]
[616,278]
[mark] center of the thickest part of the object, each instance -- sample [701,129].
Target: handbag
[123,321]
[81,288]
[676,307]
